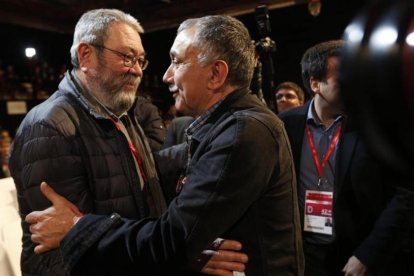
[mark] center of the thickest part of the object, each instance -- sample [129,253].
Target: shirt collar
[200,121]
[310,119]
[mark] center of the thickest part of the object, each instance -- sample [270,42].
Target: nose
[168,75]
[136,70]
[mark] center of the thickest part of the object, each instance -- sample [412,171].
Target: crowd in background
[5,141]
[37,79]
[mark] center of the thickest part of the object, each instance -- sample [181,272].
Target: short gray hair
[92,28]
[226,38]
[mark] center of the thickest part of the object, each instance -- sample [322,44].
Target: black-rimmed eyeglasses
[129,60]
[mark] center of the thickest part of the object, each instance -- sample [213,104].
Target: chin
[124,103]
[180,108]
[127,92]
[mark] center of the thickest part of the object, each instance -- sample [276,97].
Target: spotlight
[30,52]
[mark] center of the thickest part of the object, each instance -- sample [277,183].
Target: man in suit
[340,181]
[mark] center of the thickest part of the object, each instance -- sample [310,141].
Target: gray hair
[92,28]
[226,38]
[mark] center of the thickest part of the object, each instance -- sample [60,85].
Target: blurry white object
[10,229]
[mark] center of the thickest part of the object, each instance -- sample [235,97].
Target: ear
[84,55]
[314,85]
[219,73]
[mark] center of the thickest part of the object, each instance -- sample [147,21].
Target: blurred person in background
[369,209]
[288,95]
[5,142]
[150,120]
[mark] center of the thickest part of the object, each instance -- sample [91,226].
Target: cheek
[180,105]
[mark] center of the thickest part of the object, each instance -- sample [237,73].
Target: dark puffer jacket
[81,154]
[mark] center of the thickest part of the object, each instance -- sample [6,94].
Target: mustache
[131,79]
[173,88]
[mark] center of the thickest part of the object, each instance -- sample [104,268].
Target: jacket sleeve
[170,164]
[222,184]
[393,230]
[40,153]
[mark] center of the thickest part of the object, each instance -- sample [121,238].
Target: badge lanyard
[320,167]
[182,180]
[134,151]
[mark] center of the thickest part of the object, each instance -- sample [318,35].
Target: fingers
[221,267]
[229,256]
[228,266]
[223,262]
[57,199]
[33,217]
[224,258]
[39,249]
[37,238]
[49,193]
[230,245]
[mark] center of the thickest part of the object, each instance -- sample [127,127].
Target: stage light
[30,52]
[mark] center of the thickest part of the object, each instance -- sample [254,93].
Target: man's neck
[217,97]
[324,114]
[90,94]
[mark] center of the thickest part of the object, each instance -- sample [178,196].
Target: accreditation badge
[318,212]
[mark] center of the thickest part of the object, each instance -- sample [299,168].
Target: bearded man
[85,141]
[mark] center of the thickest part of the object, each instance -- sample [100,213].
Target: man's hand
[355,268]
[224,260]
[49,227]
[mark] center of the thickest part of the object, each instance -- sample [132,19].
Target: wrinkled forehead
[124,37]
[183,43]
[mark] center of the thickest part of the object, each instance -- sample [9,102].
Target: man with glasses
[129,59]
[86,143]
[239,180]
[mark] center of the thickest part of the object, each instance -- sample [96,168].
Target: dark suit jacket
[373,208]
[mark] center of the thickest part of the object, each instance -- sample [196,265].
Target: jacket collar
[229,102]
[225,106]
[72,85]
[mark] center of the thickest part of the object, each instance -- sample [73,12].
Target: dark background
[292,28]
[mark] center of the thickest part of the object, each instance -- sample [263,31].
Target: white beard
[110,92]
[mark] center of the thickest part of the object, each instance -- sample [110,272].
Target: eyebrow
[173,53]
[289,92]
[136,52]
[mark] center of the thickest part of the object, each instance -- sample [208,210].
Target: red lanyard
[133,150]
[320,167]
